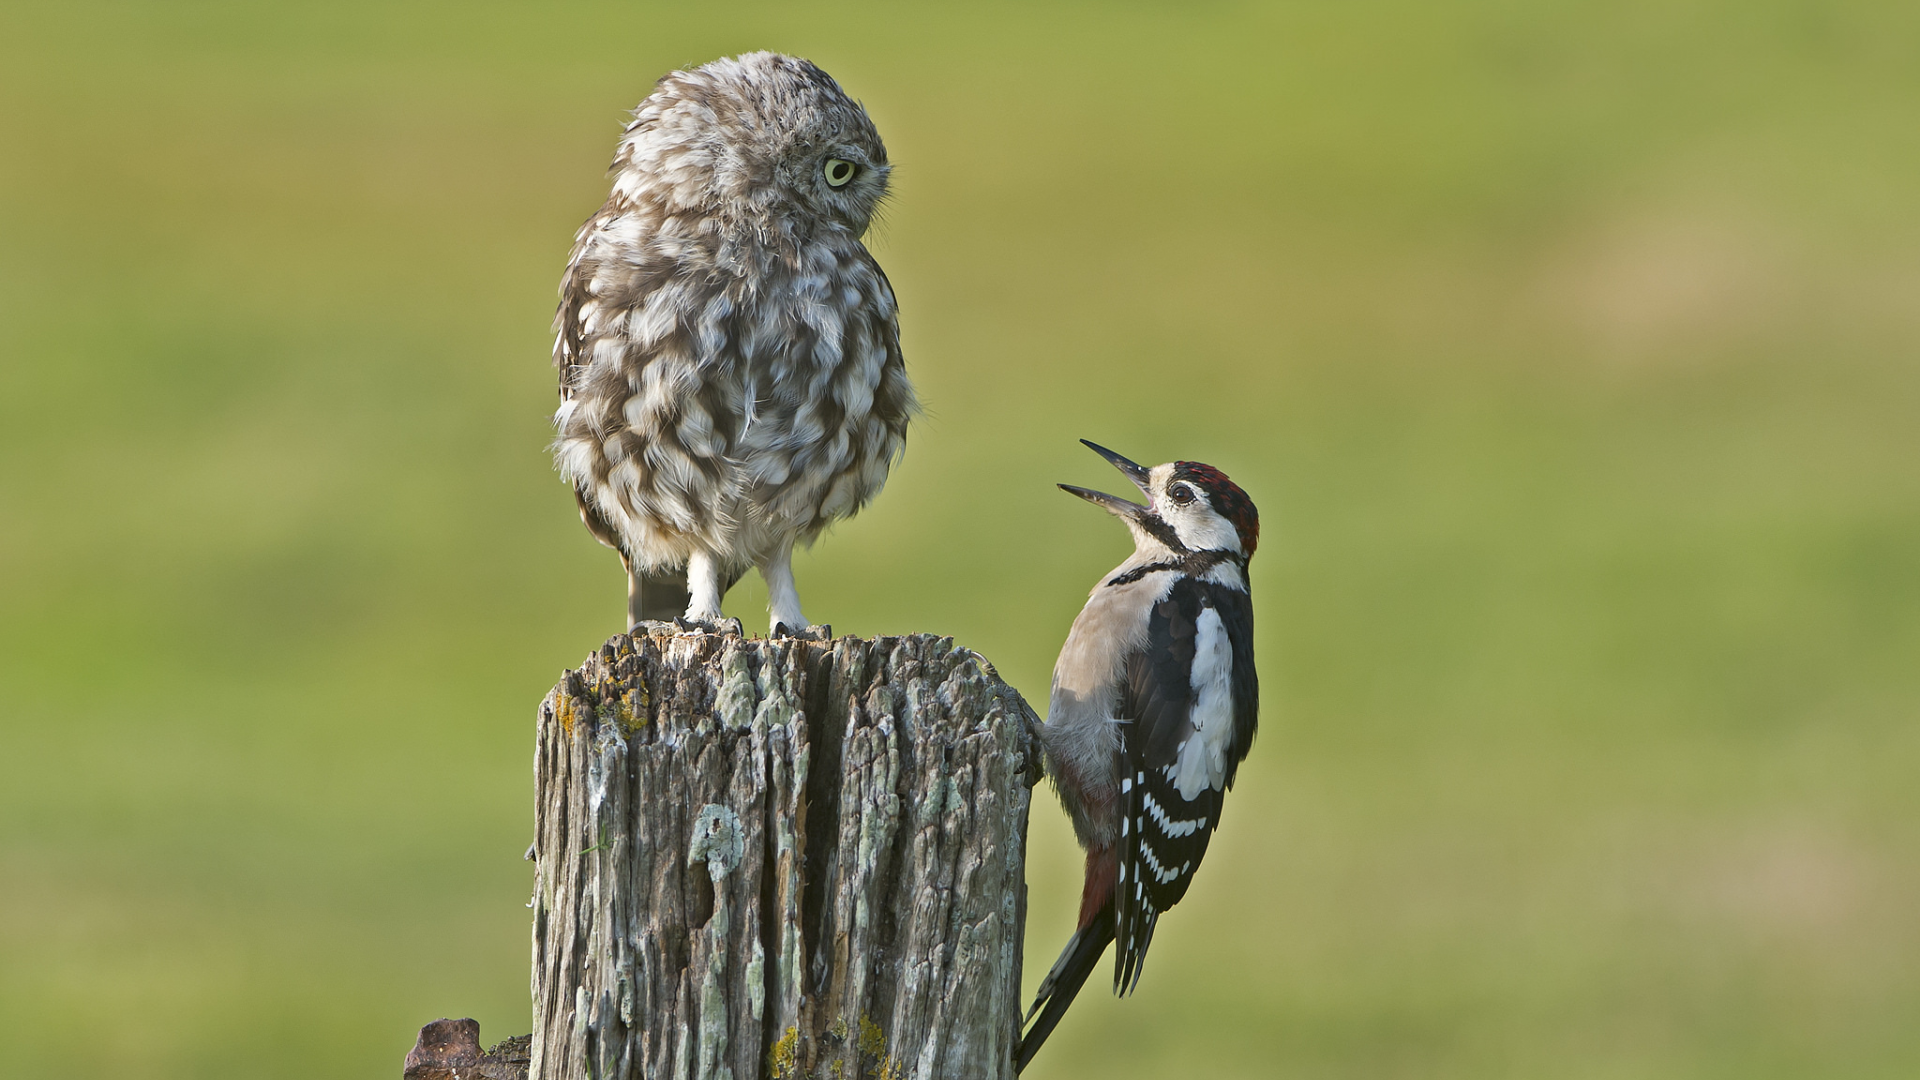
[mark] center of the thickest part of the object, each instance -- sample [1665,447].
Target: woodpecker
[1153,708]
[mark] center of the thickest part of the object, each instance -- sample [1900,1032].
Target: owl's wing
[894,400]
[568,330]
[572,340]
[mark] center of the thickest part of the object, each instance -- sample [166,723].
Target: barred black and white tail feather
[1130,950]
[1063,983]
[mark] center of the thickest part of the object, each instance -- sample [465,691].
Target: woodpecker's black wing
[1190,704]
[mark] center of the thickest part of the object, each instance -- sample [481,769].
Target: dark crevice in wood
[767,928]
[826,733]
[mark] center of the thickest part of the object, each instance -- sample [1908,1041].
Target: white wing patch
[1202,758]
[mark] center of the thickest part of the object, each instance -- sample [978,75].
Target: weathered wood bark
[780,858]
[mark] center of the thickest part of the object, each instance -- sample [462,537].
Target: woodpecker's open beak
[1133,472]
[1114,504]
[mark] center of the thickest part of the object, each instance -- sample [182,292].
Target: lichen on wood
[779,857]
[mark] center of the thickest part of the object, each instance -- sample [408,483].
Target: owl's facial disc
[839,172]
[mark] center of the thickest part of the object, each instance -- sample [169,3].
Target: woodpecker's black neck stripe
[1155,526]
[1195,564]
[1139,572]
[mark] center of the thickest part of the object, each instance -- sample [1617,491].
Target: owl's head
[762,136]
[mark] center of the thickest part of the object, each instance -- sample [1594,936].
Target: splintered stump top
[780,857]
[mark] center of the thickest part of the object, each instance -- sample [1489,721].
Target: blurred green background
[1569,349]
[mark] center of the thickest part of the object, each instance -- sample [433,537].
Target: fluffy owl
[730,373]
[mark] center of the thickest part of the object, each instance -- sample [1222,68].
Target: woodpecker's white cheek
[1202,761]
[1203,530]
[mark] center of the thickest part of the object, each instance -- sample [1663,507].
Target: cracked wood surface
[781,858]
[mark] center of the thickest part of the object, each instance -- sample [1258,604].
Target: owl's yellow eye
[839,171]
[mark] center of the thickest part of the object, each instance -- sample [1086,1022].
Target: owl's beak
[1114,504]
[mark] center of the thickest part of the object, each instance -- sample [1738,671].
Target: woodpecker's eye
[1180,494]
[838,171]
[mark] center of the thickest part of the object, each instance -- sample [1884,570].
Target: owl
[729,354]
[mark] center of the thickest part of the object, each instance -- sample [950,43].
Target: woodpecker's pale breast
[1082,732]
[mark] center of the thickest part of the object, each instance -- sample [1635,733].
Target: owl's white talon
[783,597]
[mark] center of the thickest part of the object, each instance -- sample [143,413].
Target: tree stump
[782,858]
